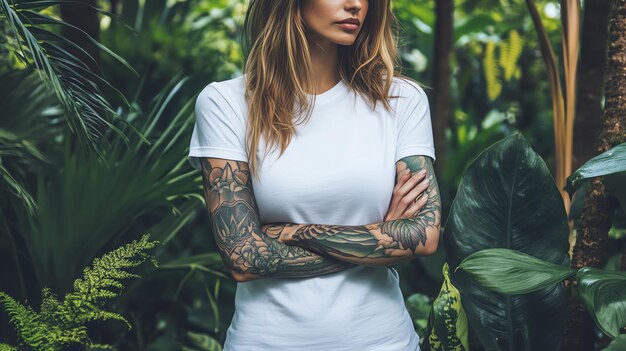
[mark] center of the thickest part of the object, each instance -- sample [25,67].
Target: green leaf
[473,24]
[210,262]
[211,259]
[6,347]
[618,344]
[447,322]
[204,342]
[603,293]
[62,73]
[513,272]
[608,162]
[507,198]
[616,182]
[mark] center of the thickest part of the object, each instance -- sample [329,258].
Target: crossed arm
[289,250]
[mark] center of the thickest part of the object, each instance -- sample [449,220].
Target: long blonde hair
[277,67]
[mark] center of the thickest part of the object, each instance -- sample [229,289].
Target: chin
[346,39]
[345,42]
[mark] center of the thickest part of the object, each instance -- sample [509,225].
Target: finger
[410,183]
[415,192]
[396,195]
[407,193]
[417,206]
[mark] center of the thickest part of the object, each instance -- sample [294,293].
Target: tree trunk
[442,106]
[591,72]
[596,218]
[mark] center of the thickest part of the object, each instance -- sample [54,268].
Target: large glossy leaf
[507,198]
[513,272]
[608,162]
[603,293]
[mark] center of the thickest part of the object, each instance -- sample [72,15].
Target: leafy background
[63,205]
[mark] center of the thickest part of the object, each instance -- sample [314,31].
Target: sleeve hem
[217,152]
[409,150]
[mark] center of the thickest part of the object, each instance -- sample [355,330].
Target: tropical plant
[60,324]
[447,322]
[602,292]
[507,198]
[76,87]
[507,231]
[62,200]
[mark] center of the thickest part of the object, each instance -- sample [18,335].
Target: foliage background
[86,207]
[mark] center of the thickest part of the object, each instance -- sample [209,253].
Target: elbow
[240,277]
[236,276]
[236,273]
[432,242]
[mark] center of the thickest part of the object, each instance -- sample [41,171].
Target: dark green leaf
[608,162]
[513,272]
[603,293]
[507,198]
[619,344]
[616,183]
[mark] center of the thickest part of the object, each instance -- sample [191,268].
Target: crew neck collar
[330,94]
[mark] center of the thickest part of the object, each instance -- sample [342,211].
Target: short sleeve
[415,132]
[219,131]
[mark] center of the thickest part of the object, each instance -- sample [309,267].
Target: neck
[325,65]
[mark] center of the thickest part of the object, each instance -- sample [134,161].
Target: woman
[309,233]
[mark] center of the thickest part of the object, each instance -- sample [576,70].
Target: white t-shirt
[338,169]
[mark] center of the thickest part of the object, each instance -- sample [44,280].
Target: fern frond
[505,55]
[510,53]
[27,323]
[84,303]
[492,74]
[6,347]
[59,324]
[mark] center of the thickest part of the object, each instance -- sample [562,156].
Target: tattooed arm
[248,251]
[377,244]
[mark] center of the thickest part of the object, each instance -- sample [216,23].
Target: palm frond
[63,73]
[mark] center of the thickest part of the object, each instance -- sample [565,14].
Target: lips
[351,21]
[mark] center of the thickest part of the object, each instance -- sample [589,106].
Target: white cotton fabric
[338,169]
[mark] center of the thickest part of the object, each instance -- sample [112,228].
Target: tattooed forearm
[247,250]
[382,243]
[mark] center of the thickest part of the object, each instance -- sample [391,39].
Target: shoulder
[229,88]
[406,88]
[410,95]
[228,94]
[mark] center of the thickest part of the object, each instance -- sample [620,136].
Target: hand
[409,195]
[281,232]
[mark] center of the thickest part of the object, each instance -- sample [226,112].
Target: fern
[60,324]
[509,54]
[492,74]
